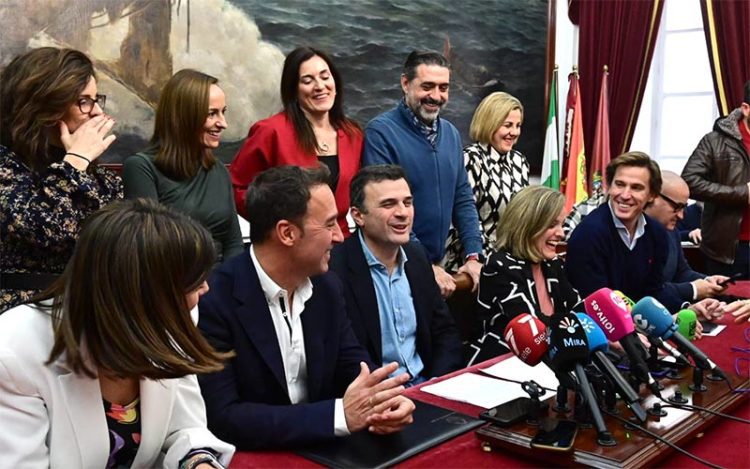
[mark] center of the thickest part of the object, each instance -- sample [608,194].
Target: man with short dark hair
[616,245]
[428,147]
[718,173]
[391,296]
[284,317]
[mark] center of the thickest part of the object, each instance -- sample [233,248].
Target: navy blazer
[248,401]
[677,272]
[438,342]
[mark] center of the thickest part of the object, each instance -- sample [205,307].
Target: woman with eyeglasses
[179,169]
[52,130]
[100,371]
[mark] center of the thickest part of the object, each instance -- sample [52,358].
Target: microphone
[526,337]
[597,346]
[609,311]
[642,326]
[658,322]
[628,302]
[686,322]
[568,351]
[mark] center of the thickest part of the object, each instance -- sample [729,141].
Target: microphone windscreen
[686,322]
[567,342]
[594,334]
[651,317]
[610,312]
[527,338]
[628,302]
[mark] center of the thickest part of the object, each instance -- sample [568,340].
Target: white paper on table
[514,369]
[478,390]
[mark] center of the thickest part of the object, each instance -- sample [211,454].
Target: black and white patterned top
[580,210]
[494,179]
[507,289]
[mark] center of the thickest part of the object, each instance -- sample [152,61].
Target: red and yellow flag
[574,182]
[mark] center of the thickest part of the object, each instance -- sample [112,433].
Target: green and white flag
[551,161]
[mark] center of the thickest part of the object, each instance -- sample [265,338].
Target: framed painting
[138,44]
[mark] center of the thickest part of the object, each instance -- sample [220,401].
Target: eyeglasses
[86,104]
[676,206]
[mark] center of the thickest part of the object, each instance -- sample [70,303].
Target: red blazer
[273,142]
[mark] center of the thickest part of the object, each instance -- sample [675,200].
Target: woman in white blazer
[101,371]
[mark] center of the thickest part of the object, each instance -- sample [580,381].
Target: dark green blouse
[207,197]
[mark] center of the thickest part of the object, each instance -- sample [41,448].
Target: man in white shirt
[299,374]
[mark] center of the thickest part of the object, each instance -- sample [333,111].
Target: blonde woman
[495,170]
[524,275]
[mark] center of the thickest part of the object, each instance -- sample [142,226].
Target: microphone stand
[603,436]
[603,389]
[561,400]
[698,385]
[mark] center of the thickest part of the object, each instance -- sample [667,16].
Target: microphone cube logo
[620,303]
[628,302]
[587,324]
[604,323]
[642,324]
[568,325]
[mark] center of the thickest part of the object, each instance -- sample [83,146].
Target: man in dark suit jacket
[691,286]
[283,316]
[392,299]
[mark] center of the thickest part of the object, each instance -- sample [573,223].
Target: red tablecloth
[741,288]
[727,443]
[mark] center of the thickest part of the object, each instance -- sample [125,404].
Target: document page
[514,369]
[478,390]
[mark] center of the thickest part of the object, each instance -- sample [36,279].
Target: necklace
[323,146]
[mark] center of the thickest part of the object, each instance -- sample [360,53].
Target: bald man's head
[669,206]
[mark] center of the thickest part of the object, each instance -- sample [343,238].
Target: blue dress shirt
[398,319]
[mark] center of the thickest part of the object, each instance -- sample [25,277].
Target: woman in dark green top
[179,169]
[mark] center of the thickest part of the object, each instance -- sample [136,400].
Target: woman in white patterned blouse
[496,171]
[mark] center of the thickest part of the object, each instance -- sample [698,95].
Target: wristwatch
[472,257]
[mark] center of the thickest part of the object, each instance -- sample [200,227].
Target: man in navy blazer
[392,299]
[691,286]
[283,316]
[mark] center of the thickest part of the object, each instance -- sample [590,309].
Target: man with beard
[718,173]
[429,149]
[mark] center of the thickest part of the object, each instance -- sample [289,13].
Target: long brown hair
[180,116]
[36,89]
[289,97]
[121,303]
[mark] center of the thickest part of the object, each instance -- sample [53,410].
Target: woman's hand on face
[89,140]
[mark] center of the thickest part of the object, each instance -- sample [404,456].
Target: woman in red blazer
[311,130]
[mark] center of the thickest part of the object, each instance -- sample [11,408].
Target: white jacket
[52,417]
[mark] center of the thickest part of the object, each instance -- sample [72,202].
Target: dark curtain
[622,35]
[727,28]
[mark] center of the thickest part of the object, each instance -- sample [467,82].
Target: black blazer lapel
[255,318]
[363,292]
[423,301]
[315,327]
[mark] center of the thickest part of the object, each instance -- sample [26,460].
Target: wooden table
[726,443]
